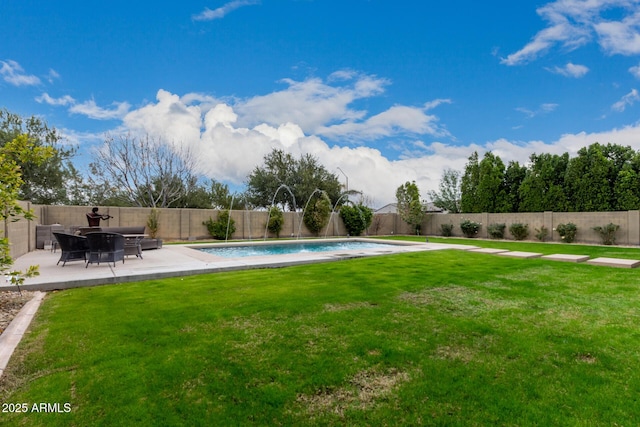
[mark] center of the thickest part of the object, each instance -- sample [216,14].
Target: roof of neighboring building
[393,208]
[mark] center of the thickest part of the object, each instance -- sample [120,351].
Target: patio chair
[105,247]
[133,246]
[73,247]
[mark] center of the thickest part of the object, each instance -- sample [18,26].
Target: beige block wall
[187,224]
[21,233]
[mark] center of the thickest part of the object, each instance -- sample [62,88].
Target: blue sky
[386,91]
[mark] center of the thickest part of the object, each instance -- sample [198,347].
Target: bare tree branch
[147,172]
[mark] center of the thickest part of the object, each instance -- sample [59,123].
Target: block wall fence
[187,224]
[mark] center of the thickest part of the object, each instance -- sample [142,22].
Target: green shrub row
[520,231]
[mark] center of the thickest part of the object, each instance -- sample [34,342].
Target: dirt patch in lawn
[362,392]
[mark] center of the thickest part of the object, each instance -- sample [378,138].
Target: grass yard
[431,338]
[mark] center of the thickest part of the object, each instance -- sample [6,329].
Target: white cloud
[88,108]
[229,151]
[635,71]
[397,119]
[64,100]
[13,73]
[325,110]
[626,101]
[230,139]
[93,111]
[620,37]
[219,13]
[171,118]
[311,103]
[574,23]
[542,109]
[52,75]
[571,70]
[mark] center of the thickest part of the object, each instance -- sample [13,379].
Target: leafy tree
[357,218]
[588,180]
[263,182]
[627,189]
[410,207]
[449,196]
[221,198]
[491,193]
[469,185]
[513,178]
[48,181]
[543,187]
[301,176]
[310,176]
[143,172]
[19,151]
[317,214]
[196,194]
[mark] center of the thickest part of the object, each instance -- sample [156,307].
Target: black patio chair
[105,247]
[73,247]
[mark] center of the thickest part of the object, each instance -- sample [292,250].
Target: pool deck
[182,260]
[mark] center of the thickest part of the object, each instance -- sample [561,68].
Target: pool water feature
[239,251]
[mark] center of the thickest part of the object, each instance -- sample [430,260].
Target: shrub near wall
[627,234]
[519,231]
[496,231]
[470,228]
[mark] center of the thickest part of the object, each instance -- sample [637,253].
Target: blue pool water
[291,248]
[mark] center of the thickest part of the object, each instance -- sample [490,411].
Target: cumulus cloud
[229,151]
[311,103]
[219,13]
[396,119]
[325,109]
[574,23]
[231,137]
[14,74]
[626,101]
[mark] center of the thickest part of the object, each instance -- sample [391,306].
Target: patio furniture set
[106,244]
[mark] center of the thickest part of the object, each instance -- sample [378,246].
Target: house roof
[393,208]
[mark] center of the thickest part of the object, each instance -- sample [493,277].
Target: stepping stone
[567,258]
[518,254]
[615,262]
[488,251]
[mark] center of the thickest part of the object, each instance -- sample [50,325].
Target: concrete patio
[176,261]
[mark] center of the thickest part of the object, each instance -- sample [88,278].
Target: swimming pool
[294,248]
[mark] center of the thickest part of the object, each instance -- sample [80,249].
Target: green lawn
[433,338]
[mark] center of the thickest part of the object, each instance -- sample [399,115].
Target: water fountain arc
[226,235]
[273,200]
